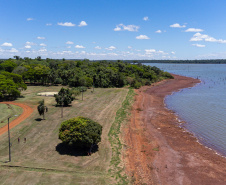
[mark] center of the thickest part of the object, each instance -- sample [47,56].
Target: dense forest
[16,73]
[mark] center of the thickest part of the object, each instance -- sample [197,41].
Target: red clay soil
[159,151]
[26,113]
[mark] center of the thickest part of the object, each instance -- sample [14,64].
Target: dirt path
[26,113]
[160,152]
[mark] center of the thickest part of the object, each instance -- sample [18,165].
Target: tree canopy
[75,73]
[80,132]
[64,97]
[42,108]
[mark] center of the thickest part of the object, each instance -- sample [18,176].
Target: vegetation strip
[114,138]
[48,169]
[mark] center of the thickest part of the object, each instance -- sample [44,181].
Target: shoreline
[159,150]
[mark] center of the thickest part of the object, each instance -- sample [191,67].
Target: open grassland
[41,160]
[8,111]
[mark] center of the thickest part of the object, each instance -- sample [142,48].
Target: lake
[202,107]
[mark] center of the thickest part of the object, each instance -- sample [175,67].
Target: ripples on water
[203,107]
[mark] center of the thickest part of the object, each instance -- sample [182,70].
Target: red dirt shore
[158,151]
[26,113]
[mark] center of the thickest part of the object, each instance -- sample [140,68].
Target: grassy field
[7,111]
[41,160]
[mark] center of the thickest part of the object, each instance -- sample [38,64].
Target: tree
[17,79]
[64,97]
[80,132]
[16,57]
[8,88]
[42,108]
[8,65]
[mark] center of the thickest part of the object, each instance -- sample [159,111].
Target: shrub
[80,132]
[64,97]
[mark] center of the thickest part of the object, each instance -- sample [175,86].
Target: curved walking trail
[158,151]
[26,113]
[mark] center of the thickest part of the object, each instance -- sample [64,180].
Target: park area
[41,159]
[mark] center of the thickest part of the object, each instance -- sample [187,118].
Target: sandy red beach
[158,151]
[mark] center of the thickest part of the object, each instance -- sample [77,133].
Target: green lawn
[7,111]
[40,161]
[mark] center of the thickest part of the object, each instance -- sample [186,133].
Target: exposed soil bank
[159,151]
[26,113]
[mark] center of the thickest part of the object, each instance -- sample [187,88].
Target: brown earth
[159,151]
[26,113]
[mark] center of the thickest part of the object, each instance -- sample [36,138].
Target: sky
[113,29]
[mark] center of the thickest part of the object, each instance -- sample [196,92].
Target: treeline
[75,73]
[209,61]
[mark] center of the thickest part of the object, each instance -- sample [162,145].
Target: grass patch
[7,111]
[114,138]
[155,149]
[39,153]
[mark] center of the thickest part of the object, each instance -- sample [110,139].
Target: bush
[137,85]
[64,97]
[80,132]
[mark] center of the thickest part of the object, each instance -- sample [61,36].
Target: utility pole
[9,138]
[62,107]
[9,141]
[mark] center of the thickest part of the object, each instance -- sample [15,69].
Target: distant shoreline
[167,153]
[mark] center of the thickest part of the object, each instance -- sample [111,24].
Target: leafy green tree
[16,57]
[8,65]
[42,108]
[80,132]
[8,88]
[64,97]
[17,79]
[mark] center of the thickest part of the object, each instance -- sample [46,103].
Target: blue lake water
[203,107]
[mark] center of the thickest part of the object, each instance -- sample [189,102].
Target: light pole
[9,140]
[62,100]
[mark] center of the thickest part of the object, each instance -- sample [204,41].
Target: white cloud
[69,24]
[69,42]
[42,50]
[30,19]
[142,37]
[176,25]
[173,53]
[41,38]
[207,38]
[122,27]
[117,28]
[13,50]
[69,47]
[193,30]
[7,44]
[129,47]
[145,18]
[48,24]
[97,47]
[199,45]
[79,46]
[27,46]
[30,43]
[148,51]
[111,48]
[113,54]
[158,31]
[155,52]
[82,23]
[42,44]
